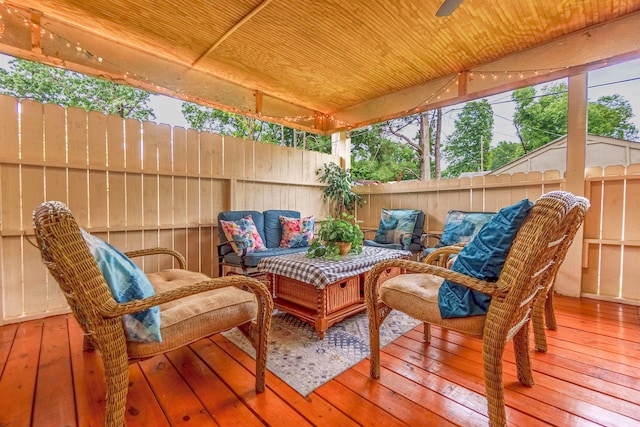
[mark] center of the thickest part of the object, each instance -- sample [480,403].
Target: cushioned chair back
[258,219]
[418,229]
[461,226]
[529,262]
[272,226]
[66,255]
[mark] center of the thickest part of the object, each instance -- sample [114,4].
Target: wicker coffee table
[324,292]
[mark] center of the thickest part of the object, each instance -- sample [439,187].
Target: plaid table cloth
[322,272]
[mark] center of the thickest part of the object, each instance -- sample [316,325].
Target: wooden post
[341,146]
[569,281]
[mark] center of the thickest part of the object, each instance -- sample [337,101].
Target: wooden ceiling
[323,66]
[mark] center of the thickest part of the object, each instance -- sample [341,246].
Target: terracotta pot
[345,247]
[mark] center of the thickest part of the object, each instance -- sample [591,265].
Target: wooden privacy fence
[143,185]
[612,234]
[135,184]
[611,246]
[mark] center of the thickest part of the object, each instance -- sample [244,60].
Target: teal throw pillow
[127,283]
[482,258]
[396,226]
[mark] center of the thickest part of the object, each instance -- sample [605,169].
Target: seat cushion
[191,318]
[396,227]
[127,282]
[417,296]
[482,258]
[252,259]
[273,227]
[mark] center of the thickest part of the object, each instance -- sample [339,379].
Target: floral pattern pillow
[296,233]
[243,234]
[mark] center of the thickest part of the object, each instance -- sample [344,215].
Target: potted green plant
[338,191]
[337,237]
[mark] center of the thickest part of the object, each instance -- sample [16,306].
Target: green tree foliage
[504,153]
[375,157]
[39,82]
[467,148]
[542,119]
[610,116]
[223,123]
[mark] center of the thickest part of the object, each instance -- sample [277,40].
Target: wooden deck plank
[589,377]
[166,383]
[408,407]
[7,336]
[364,412]
[224,406]
[54,405]
[18,382]
[88,379]
[270,406]
[313,408]
[143,409]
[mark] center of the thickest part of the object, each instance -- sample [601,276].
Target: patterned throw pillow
[127,283]
[461,226]
[483,258]
[396,226]
[243,234]
[296,233]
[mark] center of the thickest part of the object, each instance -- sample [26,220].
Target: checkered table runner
[322,272]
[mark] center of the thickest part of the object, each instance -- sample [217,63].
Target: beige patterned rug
[297,357]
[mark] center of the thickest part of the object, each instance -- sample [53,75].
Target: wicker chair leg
[116,372]
[87,344]
[523,361]
[262,328]
[426,333]
[374,341]
[549,313]
[537,319]
[492,356]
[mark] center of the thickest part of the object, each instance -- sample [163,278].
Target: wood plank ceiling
[323,66]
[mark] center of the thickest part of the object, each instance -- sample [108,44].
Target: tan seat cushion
[188,319]
[417,296]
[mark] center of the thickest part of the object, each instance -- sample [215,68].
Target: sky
[623,79]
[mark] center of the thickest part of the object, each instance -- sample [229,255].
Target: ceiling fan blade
[448,6]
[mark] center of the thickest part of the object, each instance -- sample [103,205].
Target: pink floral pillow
[296,233]
[243,234]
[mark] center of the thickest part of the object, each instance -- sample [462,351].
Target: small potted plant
[337,237]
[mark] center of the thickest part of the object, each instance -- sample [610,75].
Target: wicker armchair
[219,304]
[527,268]
[543,312]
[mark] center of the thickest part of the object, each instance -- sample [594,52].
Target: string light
[14,13]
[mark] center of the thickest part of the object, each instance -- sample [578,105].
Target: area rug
[300,359]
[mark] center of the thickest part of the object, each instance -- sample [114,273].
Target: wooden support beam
[258,96]
[463,77]
[36,31]
[231,30]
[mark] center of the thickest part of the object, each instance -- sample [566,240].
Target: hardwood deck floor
[590,376]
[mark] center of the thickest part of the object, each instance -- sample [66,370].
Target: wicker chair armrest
[159,251]
[419,267]
[243,282]
[440,256]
